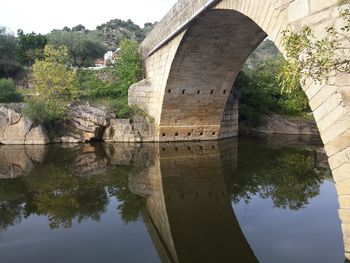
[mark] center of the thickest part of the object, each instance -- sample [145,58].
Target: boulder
[85,123]
[37,135]
[18,129]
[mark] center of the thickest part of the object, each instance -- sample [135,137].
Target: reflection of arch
[188,212]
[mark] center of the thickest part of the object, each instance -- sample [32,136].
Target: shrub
[260,93]
[11,69]
[54,85]
[39,112]
[8,91]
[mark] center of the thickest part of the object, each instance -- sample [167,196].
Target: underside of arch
[202,74]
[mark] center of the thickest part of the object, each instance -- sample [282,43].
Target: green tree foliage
[83,49]
[54,82]
[110,86]
[8,45]
[309,57]
[115,30]
[9,68]
[8,91]
[260,94]
[128,66]
[79,28]
[31,47]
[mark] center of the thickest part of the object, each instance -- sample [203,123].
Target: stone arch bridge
[194,54]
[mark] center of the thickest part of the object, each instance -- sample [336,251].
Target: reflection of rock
[188,210]
[17,129]
[19,160]
[88,164]
[278,124]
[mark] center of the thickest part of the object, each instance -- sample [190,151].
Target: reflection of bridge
[184,185]
[188,209]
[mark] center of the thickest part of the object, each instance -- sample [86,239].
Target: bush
[119,106]
[39,112]
[260,93]
[8,91]
[11,69]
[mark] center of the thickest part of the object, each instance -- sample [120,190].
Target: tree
[66,29]
[31,47]
[82,49]
[311,58]
[8,91]
[8,45]
[128,66]
[54,83]
[260,94]
[78,28]
[9,68]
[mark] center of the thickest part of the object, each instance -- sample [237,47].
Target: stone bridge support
[194,54]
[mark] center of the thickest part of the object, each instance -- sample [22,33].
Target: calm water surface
[248,200]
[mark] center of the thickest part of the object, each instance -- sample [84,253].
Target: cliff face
[84,123]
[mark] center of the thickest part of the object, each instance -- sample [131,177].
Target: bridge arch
[194,54]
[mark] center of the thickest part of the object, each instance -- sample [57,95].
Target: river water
[266,199]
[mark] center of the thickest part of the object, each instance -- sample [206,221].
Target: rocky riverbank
[278,124]
[84,123]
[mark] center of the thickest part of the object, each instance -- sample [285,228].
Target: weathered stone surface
[298,9]
[343,187]
[140,129]
[344,202]
[17,129]
[37,135]
[277,124]
[84,123]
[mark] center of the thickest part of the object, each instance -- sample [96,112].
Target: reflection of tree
[11,202]
[289,176]
[53,189]
[130,204]
[62,197]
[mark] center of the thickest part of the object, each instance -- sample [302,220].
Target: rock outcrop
[278,124]
[84,123]
[17,129]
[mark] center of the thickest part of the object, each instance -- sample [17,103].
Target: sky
[41,16]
